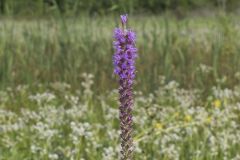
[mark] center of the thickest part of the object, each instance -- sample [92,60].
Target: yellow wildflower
[176,114]
[217,103]
[188,118]
[208,120]
[158,126]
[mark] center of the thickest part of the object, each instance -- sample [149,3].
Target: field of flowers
[59,97]
[59,122]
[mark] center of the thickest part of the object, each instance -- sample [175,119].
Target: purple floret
[124,19]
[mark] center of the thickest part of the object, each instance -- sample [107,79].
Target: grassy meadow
[42,51]
[59,100]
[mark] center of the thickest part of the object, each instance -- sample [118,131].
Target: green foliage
[76,7]
[196,52]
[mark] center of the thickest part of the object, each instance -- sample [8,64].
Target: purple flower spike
[124,67]
[124,19]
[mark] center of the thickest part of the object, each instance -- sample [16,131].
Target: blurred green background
[193,42]
[104,7]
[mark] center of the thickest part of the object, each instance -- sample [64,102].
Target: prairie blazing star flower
[124,67]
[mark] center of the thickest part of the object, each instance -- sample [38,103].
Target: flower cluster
[124,61]
[125,53]
[176,123]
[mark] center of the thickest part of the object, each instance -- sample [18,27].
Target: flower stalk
[124,67]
